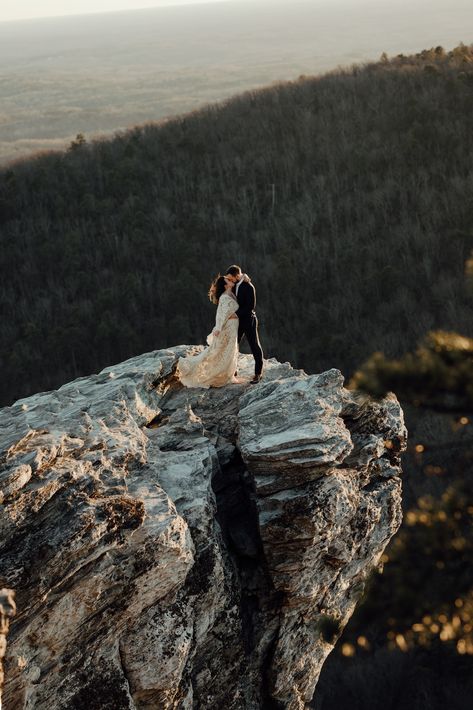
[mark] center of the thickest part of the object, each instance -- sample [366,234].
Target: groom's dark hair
[233,270]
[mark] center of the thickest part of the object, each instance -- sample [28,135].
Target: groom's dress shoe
[255,380]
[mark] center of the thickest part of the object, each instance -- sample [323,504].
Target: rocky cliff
[7,610]
[176,548]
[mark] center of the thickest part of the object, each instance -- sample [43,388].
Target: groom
[248,325]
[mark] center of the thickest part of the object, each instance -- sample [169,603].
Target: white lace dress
[216,364]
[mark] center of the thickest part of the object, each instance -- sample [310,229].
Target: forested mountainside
[346,197]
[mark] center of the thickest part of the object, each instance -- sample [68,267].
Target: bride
[216,364]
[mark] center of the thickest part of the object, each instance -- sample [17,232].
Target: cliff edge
[176,548]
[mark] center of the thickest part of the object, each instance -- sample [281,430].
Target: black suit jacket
[246,298]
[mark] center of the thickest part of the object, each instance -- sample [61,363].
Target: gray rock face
[175,548]
[7,610]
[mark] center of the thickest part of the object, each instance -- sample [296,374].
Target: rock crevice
[179,548]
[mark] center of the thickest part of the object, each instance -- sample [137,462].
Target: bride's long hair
[217,287]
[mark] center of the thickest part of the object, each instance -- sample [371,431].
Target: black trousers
[249,328]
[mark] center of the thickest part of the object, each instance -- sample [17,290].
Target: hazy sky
[23,9]
[28,9]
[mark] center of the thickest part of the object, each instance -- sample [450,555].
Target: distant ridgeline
[347,197]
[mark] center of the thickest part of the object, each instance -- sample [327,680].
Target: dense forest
[347,197]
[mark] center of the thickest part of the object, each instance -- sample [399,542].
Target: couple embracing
[216,365]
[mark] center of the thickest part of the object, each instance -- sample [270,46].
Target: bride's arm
[224,311]
[219,317]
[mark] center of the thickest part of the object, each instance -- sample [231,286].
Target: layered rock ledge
[175,548]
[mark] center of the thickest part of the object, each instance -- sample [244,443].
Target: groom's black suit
[248,322]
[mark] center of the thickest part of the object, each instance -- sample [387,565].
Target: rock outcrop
[7,611]
[175,548]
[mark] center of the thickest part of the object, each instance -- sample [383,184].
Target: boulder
[189,548]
